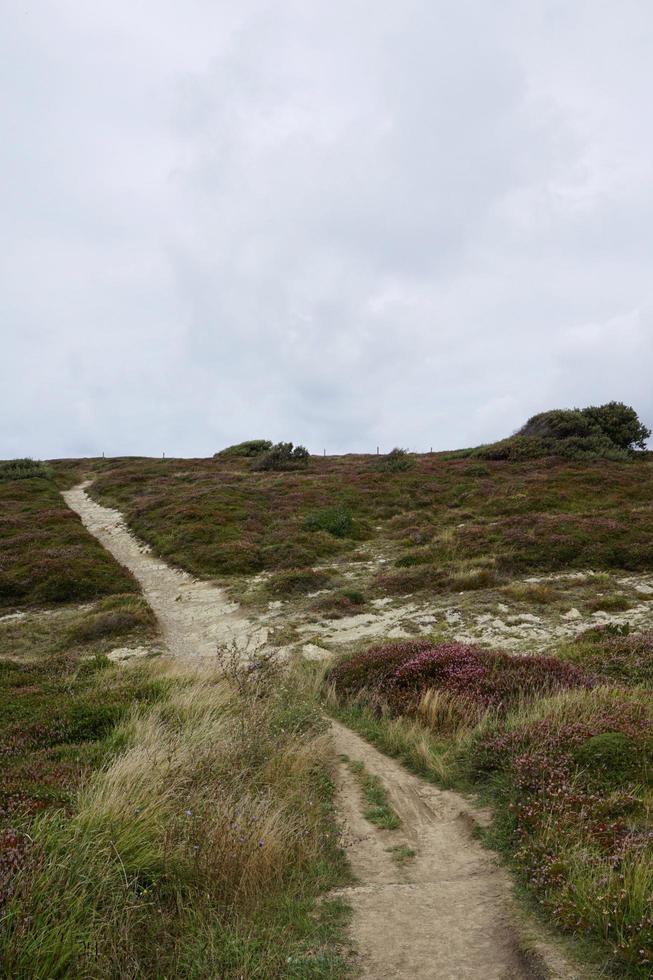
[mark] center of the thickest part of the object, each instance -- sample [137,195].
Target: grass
[569,774]
[155,820]
[379,811]
[201,847]
[48,556]
[402,854]
[448,523]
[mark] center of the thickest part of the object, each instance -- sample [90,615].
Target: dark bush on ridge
[611,431]
[283,456]
[397,461]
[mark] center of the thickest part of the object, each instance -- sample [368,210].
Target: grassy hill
[567,733]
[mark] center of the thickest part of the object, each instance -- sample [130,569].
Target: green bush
[397,461]
[283,456]
[23,469]
[620,423]
[336,520]
[611,431]
[610,757]
[251,448]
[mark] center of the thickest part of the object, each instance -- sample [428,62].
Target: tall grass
[200,850]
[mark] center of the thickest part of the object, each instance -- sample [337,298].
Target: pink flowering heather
[488,678]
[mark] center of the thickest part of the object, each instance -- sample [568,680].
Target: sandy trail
[446,914]
[196,617]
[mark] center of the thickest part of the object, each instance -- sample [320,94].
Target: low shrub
[249,449]
[345,603]
[337,521]
[24,469]
[298,581]
[609,603]
[574,818]
[397,461]
[402,673]
[614,652]
[283,456]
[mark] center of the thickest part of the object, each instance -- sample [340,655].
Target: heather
[46,554]
[444,524]
[572,780]
[399,675]
[615,652]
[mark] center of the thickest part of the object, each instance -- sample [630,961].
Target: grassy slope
[47,556]
[446,523]
[116,859]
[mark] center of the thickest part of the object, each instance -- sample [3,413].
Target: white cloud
[340,223]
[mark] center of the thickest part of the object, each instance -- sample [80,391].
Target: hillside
[392,592]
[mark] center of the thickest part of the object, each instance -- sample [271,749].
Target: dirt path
[446,914]
[196,617]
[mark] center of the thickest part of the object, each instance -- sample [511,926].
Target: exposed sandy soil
[447,914]
[197,618]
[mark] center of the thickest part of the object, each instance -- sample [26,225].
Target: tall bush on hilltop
[620,423]
[612,431]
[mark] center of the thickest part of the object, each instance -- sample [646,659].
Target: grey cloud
[342,223]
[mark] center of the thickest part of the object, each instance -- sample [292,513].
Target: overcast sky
[339,222]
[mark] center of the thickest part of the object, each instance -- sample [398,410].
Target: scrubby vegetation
[614,652]
[444,524]
[47,554]
[612,431]
[155,820]
[566,758]
[283,456]
[23,469]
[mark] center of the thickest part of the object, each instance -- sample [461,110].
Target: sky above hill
[336,222]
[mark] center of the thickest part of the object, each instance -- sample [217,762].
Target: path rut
[446,915]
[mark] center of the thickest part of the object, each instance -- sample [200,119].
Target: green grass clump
[202,847]
[335,520]
[379,811]
[609,603]
[402,854]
